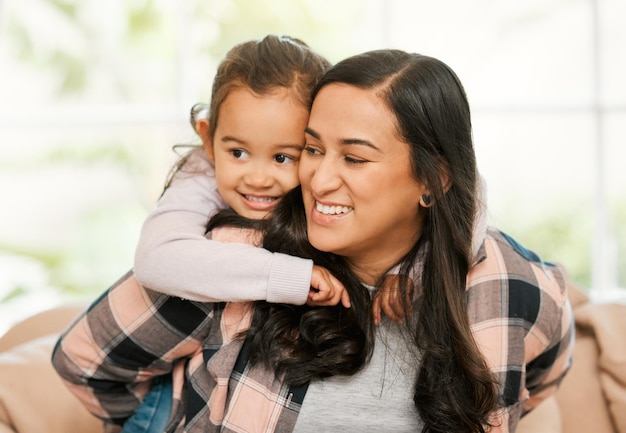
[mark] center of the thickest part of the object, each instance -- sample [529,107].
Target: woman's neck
[370,269]
[369,273]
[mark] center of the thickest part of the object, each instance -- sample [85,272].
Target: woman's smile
[332,209]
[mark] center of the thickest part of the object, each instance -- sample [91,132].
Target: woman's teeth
[332,210]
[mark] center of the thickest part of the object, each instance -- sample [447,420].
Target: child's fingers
[328,296]
[326,290]
[391,298]
[322,296]
[376,309]
[392,312]
[345,299]
[337,292]
[397,306]
[314,298]
[386,301]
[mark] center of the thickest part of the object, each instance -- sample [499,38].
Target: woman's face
[360,197]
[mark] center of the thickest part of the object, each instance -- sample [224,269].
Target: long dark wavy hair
[455,390]
[300,342]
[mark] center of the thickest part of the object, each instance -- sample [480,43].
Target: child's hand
[326,289]
[388,299]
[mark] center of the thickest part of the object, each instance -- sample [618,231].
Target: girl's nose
[259,176]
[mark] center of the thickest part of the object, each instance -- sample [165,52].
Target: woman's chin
[324,243]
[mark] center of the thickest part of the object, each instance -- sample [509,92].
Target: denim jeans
[154,412]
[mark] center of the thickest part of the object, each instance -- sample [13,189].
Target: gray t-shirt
[377,399]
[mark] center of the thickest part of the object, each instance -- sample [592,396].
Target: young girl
[252,136]
[260,98]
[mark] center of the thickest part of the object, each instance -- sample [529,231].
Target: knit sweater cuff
[289,279]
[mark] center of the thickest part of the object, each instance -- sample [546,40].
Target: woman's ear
[204,132]
[427,199]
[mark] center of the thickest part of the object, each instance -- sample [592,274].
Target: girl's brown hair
[263,66]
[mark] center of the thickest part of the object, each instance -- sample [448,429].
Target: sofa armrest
[33,399]
[545,418]
[47,322]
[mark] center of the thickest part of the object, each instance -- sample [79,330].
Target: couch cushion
[32,397]
[545,418]
[580,397]
[46,322]
[607,323]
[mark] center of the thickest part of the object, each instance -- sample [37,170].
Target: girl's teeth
[260,199]
[332,210]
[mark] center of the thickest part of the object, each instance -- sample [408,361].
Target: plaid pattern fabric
[522,322]
[131,334]
[517,306]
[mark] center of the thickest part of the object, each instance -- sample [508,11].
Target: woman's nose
[325,177]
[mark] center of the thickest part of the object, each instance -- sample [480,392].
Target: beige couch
[32,397]
[592,398]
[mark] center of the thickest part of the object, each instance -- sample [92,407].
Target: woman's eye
[281,158]
[311,150]
[239,154]
[351,160]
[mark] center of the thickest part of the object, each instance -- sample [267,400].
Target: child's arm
[326,289]
[174,257]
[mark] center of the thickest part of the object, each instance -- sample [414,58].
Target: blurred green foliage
[96,54]
[130,55]
[558,237]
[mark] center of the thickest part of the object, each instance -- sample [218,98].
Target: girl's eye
[281,158]
[239,154]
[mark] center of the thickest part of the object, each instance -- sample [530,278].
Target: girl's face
[256,148]
[360,197]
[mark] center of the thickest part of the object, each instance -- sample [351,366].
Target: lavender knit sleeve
[174,257]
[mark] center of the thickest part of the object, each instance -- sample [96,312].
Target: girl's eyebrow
[298,147]
[230,138]
[345,141]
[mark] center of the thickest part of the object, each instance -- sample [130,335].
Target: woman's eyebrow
[345,141]
[312,133]
[360,142]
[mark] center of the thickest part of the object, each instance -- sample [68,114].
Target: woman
[389,183]
[389,192]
